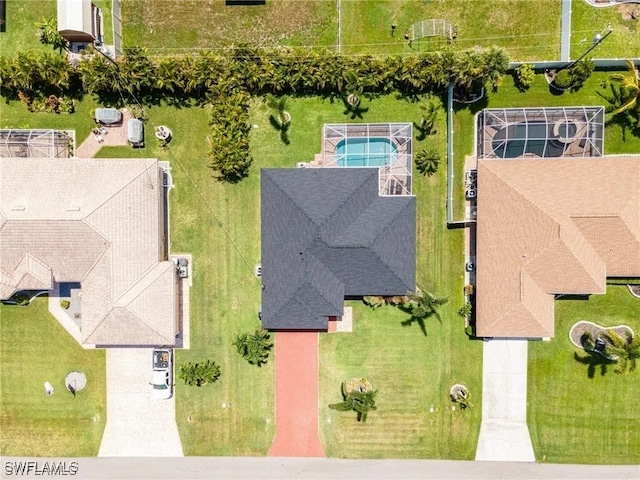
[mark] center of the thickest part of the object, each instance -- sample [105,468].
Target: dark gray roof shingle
[327,234]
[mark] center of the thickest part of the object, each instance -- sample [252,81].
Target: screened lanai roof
[540,132]
[37,143]
[386,146]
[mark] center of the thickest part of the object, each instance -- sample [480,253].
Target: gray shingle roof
[327,234]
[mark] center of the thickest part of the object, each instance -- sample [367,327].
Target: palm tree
[360,400]
[626,350]
[430,113]
[199,374]
[279,107]
[422,305]
[427,161]
[629,88]
[255,347]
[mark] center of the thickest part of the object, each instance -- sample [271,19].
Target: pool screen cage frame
[394,178]
[588,141]
[430,28]
[45,143]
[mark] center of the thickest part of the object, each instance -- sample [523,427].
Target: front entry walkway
[138,425]
[504,435]
[296,356]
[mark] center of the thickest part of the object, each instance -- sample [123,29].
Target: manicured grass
[35,349]
[166,26]
[21,33]
[15,115]
[528,30]
[573,418]
[587,21]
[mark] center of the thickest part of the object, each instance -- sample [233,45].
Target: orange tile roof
[546,227]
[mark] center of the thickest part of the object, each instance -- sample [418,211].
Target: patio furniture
[135,133]
[108,116]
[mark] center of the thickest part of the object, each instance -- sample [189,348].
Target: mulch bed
[576,332]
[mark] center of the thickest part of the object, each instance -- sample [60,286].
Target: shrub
[524,76]
[65,304]
[199,374]
[580,72]
[255,347]
[427,161]
[373,302]
[563,79]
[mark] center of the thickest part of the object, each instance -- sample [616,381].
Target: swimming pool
[366,152]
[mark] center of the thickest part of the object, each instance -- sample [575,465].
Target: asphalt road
[313,468]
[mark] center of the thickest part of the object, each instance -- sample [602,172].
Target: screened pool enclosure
[37,143]
[386,146]
[540,132]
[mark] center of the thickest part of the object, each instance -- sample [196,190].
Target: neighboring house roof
[327,234]
[97,222]
[75,17]
[548,227]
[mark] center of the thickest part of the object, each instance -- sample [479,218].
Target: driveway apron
[138,425]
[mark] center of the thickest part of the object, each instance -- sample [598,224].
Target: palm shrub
[255,347]
[358,395]
[49,35]
[427,161]
[423,304]
[626,350]
[430,113]
[199,374]
[524,75]
[466,310]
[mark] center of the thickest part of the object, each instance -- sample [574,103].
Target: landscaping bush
[199,374]
[21,299]
[524,75]
[255,347]
[580,72]
[65,304]
[563,79]
[373,302]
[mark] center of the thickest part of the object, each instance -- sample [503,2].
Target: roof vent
[73,209]
[18,208]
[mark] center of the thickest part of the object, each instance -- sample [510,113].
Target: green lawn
[527,29]
[34,349]
[573,418]
[587,21]
[21,33]
[167,26]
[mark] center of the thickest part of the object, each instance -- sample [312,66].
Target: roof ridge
[145,170]
[284,192]
[363,184]
[373,250]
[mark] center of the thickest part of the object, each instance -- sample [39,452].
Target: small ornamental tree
[427,161]
[358,395]
[563,79]
[524,76]
[580,72]
[200,373]
[255,347]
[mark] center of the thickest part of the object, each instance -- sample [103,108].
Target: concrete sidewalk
[504,435]
[138,425]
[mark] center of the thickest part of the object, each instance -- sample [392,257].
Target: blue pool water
[366,152]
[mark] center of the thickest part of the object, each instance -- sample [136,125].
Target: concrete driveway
[504,435]
[138,425]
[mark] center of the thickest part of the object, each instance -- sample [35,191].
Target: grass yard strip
[528,30]
[166,27]
[573,418]
[587,21]
[35,349]
[21,34]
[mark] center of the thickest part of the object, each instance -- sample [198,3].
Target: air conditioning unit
[302,165]
[183,268]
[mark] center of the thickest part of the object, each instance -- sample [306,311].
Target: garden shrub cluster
[229,80]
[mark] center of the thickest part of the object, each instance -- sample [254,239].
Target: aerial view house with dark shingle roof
[100,223]
[328,234]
